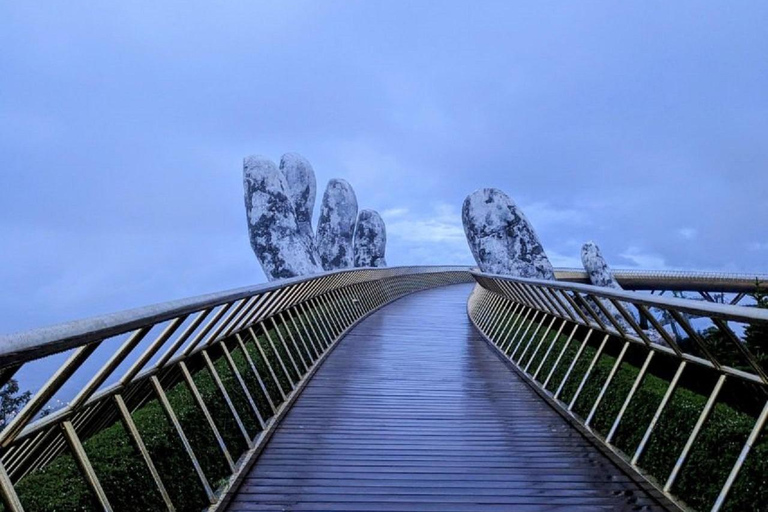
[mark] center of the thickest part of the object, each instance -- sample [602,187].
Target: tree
[11,401]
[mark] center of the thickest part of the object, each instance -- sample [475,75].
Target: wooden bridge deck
[414,411]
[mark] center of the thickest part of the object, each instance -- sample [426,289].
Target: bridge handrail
[673,280]
[34,343]
[693,307]
[275,333]
[512,312]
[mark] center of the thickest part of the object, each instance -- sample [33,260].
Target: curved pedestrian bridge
[397,389]
[413,410]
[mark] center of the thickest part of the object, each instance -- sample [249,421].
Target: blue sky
[640,125]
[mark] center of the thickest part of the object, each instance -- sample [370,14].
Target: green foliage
[11,401]
[717,446]
[60,486]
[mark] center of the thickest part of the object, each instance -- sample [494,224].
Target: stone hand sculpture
[370,240]
[272,225]
[336,225]
[302,188]
[501,238]
[600,274]
[279,203]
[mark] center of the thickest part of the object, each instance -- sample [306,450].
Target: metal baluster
[266,362]
[652,425]
[198,397]
[507,328]
[255,372]
[8,492]
[530,340]
[227,398]
[607,383]
[694,433]
[314,338]
[138,442]
[573,364]
[549,349]
[533,337]
[241,382]
[323,340]
[277,355]
[628,399]
[559,356]
[522,319]
[520,340]
[287,348]
[751,440]
[78,452]
[45,393]
[588,372]
[166,406]
[311,349]
[542,340]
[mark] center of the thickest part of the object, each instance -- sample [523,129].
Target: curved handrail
[513,313]
[692,307]
[275,334]
[673,280]
[35,343]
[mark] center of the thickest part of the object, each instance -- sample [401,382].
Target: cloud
[544,215]
[441,224]
[428,236]
[122,144]
[393,213]
[562,260]
[644,260]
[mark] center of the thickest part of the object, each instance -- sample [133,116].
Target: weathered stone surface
[370,240]
[501,238]
[272,227]
[302,188]
[600,273]
[336,226]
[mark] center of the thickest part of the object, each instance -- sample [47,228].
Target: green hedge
[60,486]
[717,446]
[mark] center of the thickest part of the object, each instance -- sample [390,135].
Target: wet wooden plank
[413,411]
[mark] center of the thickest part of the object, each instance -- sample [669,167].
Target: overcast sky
[640,125]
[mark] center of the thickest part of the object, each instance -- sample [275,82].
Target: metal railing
[570,341]
[673,280]
[268,339]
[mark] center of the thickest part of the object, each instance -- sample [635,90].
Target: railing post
[78,452]
[652,425]
[8,493]
[694,433]
[195,392]
[267,363]
[133,432]
[166,406]
[751,440]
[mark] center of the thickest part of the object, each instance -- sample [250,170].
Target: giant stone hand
[272,225]
[302,188]
[279,205]
[501,238]
[336,225]
[370,240]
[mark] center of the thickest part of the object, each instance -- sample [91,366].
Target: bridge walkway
[415,411]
